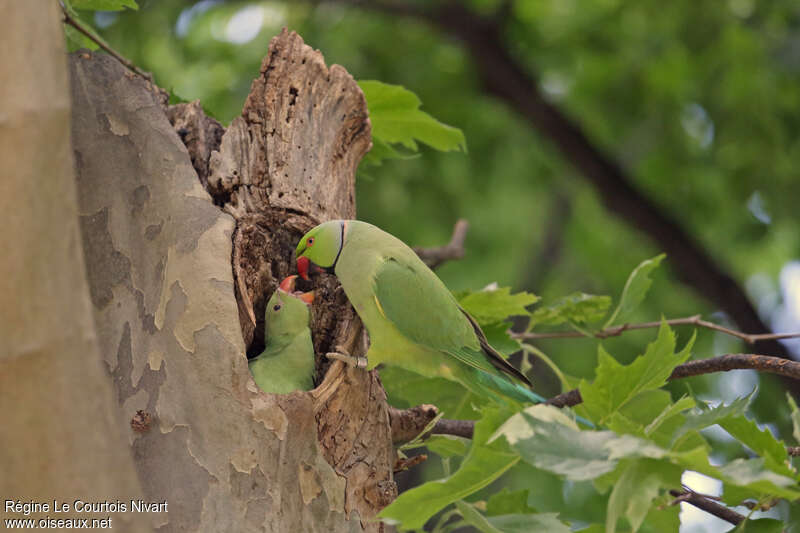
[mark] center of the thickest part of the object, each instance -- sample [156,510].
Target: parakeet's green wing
[418,304]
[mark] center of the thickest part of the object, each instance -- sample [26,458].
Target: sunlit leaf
[546,438]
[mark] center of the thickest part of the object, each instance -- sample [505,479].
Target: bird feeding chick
[287,362]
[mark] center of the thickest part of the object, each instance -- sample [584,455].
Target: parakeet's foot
[354,361]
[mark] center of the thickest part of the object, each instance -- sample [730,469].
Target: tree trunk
[183,249]
[61,433]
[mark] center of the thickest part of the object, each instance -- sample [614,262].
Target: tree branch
[433,257]
[407,424]
[723,363]
[458,428]
[706,504]
[92,36]
[749,338]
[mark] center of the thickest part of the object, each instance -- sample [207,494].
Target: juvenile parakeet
[287,362]
[412,319]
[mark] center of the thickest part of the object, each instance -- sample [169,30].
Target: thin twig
[68,19]
[402,464]
[706,504]
[433,257]
[749,338]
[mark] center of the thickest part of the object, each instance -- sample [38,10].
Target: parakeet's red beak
[287,285]
[307,297]
[302,267]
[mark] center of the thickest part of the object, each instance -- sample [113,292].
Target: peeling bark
[60,431]
[179,287]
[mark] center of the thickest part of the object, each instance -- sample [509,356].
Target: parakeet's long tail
[500,388]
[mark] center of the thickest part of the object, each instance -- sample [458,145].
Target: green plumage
[287,362]
[413,320]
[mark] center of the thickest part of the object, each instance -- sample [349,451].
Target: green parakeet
[287,362]
[412,319]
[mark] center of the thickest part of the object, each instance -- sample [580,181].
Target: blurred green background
[698,101]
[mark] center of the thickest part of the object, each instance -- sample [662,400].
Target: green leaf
[709,417]
[762,525]
[490,306]
[474,518]
[529,523]
[761,441]
[104,5]
[498,337]
[447,446]
[795,418]
[578,308]
[547,439]
[635,290]
[636,489]
[507,502]
[617,384]
[670,413]
[731,418]
[382,150]
[752,474]
[76,40]
[396,119]
[405,388]
[483,464]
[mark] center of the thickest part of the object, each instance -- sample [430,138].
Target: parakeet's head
[321,246]
[287,311]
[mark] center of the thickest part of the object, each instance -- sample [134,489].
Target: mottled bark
[180,275]
[61,434]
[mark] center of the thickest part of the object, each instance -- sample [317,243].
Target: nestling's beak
[287,285]
[307,297]
[302,267]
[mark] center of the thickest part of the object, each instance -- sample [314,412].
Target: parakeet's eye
[310,241]
[277,307]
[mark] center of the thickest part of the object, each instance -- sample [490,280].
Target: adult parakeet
[412,319]
[287,362]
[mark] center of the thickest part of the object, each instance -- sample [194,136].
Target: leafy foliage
[397,120]
[646,440]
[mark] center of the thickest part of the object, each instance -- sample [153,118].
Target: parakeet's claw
[350,360]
